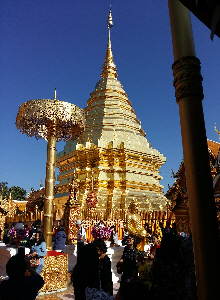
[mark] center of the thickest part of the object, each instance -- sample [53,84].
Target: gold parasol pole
[49,190]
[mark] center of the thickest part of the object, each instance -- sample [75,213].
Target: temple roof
[179,186]
[214,147]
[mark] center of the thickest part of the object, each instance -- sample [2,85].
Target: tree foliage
[17,193]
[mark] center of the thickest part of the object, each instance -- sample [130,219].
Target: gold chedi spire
[109,68]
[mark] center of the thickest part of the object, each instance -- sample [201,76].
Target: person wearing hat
[81,236]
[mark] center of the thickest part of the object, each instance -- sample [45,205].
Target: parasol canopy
[43,117]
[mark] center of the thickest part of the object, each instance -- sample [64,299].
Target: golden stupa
[112,158]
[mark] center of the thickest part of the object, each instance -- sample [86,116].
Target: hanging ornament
[91,200]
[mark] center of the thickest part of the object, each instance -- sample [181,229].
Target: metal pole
[49,191]
[189,95]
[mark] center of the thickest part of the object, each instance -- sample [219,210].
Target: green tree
[17,193]
[4,190]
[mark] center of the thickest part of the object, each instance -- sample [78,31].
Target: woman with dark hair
[104,266]
[86,271]
[114,236]
[168,271]
[129,260]
[39,250]
[154,247]
[59,239]
[19,286]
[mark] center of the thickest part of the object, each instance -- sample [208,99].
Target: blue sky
[62,44]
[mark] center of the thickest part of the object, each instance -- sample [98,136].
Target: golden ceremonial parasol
[53,120]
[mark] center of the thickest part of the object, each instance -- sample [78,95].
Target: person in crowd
[188,256]
[167,228]
[154,247]
[38,225]
[32,230]
[19,286]
[129,260]
[104,266]
[56,227]
[114,236]
[143,269]
[174,229]
[59,239]
[124,241]
[86,271]
[6,234]
[149,232]
[11,230]
[26,240]
[133,290]
[168,272]
[39,250]
[0,234]
[81,236]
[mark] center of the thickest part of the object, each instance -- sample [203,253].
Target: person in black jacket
[86,271]
[129,260]
[59,239]
[104,266]
[19,286]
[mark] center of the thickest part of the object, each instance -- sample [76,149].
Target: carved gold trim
[187,78]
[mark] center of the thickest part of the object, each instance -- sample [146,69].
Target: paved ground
[68,294]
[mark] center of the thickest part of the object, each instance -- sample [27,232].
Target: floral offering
[18,231]
[101,232]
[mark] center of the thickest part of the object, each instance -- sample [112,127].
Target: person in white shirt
[81,236]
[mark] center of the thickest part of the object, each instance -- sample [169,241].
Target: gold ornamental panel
[55,273]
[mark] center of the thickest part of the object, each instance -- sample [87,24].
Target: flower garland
[101,232]
[15,233]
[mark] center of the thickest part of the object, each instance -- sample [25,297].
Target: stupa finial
[109,68]
[55,94]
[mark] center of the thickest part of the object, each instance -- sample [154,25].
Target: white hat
[78,222]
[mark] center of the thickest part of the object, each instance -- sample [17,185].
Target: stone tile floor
[69,294]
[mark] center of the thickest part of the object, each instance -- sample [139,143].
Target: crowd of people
[19,286]
[166,272]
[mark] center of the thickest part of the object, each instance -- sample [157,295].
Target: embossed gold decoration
[187,78]
[8,207]
[55,273]
[54,121]
[72,213]
[134,221]
[91,200]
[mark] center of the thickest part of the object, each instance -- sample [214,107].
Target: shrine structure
[177,193]
[112,162]
[11,210]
